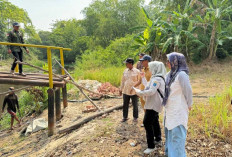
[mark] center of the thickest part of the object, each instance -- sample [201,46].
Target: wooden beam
[74,83]
[30,82]
[87,119]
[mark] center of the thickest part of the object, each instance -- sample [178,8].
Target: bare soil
[106,136]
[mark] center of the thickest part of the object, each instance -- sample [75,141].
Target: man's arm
[122,84]
[17,102]
[22,40]
[4,104]
[9,40]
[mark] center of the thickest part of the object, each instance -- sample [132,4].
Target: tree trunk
[212,42]
[153,53]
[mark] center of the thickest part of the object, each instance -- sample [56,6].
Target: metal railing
[49,56]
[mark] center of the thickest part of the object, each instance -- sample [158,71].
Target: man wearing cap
[15,36]
[11,100]
[139,65]
[131,75]
[145,71]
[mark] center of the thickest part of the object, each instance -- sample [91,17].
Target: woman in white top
[153,96]
[177,102]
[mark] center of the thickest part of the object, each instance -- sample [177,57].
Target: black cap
[129,60]
[146,57]
[16,24]
[11,88]
[141,54]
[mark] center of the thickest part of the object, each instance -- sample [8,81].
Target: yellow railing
[49,56]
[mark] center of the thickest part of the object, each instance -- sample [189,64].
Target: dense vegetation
[112,30]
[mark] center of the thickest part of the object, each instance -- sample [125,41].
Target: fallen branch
[87,119]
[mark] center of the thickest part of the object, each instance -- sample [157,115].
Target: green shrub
[221,53]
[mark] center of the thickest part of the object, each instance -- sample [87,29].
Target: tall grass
[108,74]
[216,117]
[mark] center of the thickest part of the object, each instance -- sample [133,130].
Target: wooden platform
[33,79]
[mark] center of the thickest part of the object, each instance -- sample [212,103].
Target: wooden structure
[54,83]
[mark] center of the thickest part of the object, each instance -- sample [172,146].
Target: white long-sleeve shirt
[151,96]
[179,100]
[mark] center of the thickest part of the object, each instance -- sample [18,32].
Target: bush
[228,46]
[221,53]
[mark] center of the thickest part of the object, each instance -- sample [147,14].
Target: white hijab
[157,69]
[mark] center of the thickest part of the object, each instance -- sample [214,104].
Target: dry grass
[212,116]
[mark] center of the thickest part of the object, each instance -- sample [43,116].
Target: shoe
[12,72]
[148,150]
[22,74]
[124,119]
[135,120]
[158,143]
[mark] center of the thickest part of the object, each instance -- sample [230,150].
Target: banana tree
[181,31]
[218,10]
[149,40]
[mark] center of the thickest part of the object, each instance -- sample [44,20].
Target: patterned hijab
[178,64]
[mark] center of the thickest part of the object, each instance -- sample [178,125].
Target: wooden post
[65,97]
[57,104]
[50,112]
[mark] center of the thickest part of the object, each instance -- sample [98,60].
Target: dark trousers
[152,126]
[126,101]
[19,56]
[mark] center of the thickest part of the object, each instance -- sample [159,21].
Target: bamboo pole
[78,86]
[15,90]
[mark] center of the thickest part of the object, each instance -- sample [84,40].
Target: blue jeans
[175,141]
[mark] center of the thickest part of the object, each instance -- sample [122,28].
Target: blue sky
[44,12]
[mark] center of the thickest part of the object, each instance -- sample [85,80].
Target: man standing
[146,72]
[139,65]
[15,36]
[12,101]
[131,75]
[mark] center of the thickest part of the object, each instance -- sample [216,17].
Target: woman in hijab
[177,102]
[153,96]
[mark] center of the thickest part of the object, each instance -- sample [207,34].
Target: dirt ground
[106,136]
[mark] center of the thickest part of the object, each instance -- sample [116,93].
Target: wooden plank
[30,82]
[33,74]
[27,77]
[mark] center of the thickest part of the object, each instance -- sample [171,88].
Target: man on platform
[15,36]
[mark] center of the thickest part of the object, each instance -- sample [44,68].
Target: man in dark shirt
[15,36]
[11,100]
